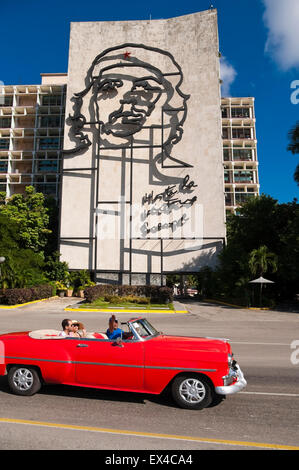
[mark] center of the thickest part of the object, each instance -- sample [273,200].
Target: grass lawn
[100,303]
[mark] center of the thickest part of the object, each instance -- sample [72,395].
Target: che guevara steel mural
[130,95]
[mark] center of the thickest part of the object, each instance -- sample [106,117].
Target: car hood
[191,343]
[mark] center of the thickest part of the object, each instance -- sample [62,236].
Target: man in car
[67,327]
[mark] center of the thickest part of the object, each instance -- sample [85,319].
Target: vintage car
[197,371]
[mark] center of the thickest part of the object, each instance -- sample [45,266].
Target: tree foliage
[262,239]
[23,236]
[264,235]
[294,147]
[23,267]
[262,260]
[30,215]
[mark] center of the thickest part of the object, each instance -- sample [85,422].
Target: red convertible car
[198,371]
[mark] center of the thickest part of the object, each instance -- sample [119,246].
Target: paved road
[265,414]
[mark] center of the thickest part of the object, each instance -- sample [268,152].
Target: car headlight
[230,359]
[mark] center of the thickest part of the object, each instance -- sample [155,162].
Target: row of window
[239,198]
[50,121]
[238,154]
[237,112]
[51,100]
[43,143]
[236,133]
[49,166]
[49,143]
[238,176]
[46,100]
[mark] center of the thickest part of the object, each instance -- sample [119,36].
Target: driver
[114,331]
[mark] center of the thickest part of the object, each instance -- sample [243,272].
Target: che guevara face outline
[131,98]
[121,122]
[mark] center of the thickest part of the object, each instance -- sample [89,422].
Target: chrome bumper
[237,386]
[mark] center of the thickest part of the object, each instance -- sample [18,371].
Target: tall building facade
[240,161]
[31,136]
[133,145]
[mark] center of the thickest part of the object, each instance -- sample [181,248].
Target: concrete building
[239,151]
[31,135]
[143,149]
[142,162]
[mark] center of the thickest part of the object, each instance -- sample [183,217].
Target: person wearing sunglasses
[78,329]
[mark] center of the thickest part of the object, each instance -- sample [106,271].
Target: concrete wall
[53,78]
[109,214]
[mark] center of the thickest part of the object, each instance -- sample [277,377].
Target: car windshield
[143,328]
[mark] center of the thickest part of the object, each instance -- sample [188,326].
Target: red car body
[142,363]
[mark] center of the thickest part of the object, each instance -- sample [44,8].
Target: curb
[27,303]
[236,306]
[110,310]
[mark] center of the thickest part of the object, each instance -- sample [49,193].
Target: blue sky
[258,39]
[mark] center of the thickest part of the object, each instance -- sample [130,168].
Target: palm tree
[261,260]
[294,147]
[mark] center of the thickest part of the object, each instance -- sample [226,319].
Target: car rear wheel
[24,380]
[192,392]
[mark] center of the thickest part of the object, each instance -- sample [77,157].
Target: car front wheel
[24,380]
[192,392]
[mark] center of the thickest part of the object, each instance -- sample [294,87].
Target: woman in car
[79,329]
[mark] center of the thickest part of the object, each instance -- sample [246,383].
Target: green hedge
[21,296]
[156,294]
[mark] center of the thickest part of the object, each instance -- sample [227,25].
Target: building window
[229,200]
[226,155]
[240,112]
[242,133]
[6,100]
[242,154]
[49,143]
[50,121]
[225,133]
[5,123]
[51,100]
[243,197]
[48,166]
[243,176]
[3,166]
[51,179]
[227,176]
[4,144]
[46,188]
[224,112]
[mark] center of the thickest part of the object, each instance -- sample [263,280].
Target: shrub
[60,286]
[143,300]
[21,296]
[142,294]
[93,293]
[80,278]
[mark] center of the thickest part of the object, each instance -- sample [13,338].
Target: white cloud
[228,75]
[281,17]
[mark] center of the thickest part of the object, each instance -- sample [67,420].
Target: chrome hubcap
[192,390]
[23,379]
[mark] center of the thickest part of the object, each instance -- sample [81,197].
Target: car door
[103,363]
